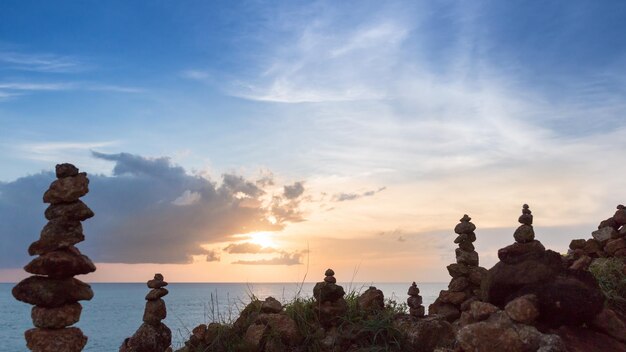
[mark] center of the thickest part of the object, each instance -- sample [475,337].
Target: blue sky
[526,99]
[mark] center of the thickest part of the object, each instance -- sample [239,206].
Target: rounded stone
[464,227]
[57,233]
[149,338]
[466,246]
[329,272]
[55,340]
[156,283]
[467,258]
[458,284]
[56,318]
[77,211]
[330,279]
[49,293]
[524,234]
[156,293]
[67,189]
[414,301]
[66,170]
[61,264]
[155,312]
[525,219]
[413,290]
[523,309]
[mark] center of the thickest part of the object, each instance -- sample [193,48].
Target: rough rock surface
[56,318]
[55,340]
[372,300]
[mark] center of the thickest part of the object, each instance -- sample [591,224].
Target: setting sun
[263,239]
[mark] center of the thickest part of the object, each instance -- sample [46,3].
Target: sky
[256,141]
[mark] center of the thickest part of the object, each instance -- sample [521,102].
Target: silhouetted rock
[372,300]
[67,189]
[55,340]
[416,309]
[47,292]
[63,263]
[56,318]
[330,305]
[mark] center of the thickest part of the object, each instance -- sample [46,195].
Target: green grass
[612,280]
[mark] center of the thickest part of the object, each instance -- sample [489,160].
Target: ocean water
[116,310]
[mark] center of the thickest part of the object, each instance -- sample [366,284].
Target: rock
[57,234]
[417,312]
[467,258]
[610,222]
[523,309]
[455,298]
[324,291]
[466,246]
[55,340]
[481,310]
[620,215]
[427,334]
[476,275]
[283,326]
[518,252]
[464,227]
[67,189]
[413,290]
[581,263]
[620,253]
[604,234]
[329,313]
[155,312]
[150,338]
[271,305]
[156,284]
[465,306]
[75,211]
[524,234]
[577,244]
[609,323]
[578,339]
[56,318]
[63,263]
[50,293]
[372,300]
[457,269]
[156,293]
[66,170]
[446,310]
[612,246]
[458,284]
[254,336]
[593,248]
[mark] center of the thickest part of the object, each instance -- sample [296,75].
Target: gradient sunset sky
[255,141]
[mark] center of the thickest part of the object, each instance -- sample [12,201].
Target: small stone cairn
[416,309]
[525,232]
[152,335]
[52,289]
[330,304]
[464,287]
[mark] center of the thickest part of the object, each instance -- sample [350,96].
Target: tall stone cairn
[52,289]
[464,288]
[152,335]
[329,302]
[416,309]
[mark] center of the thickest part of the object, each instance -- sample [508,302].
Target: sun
[263,238]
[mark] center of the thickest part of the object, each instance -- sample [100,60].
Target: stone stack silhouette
[152,335]
[52,289]
[416,309]
[464,287]
[330,304]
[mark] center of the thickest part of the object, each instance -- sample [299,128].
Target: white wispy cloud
[41,62]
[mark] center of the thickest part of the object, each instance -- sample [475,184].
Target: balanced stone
[156,294]
[55,340]
[330,304]
[155,312]
[524,234]
[56,318]
[47,292]
[67,189]
[61,264]
[157,282]
[468,258]
[414,302]
[66,170]
[57,234]
[465,226]
[77,211]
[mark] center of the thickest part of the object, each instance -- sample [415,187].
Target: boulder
[324,292]
[149,338]
[612,246]
[271,305]
[578,339]
[55,340]
[56,318]
[481,310]
[458,284]
[524,234]
[604,234]
[282,325]
[577,244]
[156,293]
[523,309]
[467,258]
[49,293]
[372,300]
[427,334]
[457,269]
[609,323]
[518,252]
[66,170]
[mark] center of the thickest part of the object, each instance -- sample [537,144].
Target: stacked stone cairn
[416,309]
[609,241]
[329,302]
[52,289]
[464,287]
[152,335]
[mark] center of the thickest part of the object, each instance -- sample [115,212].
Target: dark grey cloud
[248,247]
[283,259]
[148,211]
[342,197]
[213,256]
[294,191]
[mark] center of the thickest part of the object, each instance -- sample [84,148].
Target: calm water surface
[117,309]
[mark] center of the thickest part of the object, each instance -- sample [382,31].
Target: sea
[116,310]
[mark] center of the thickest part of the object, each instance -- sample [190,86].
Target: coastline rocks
[152,335]
[53,289]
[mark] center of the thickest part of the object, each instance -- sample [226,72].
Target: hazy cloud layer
[247,247]
[284,259]
[341,197]
[148,211]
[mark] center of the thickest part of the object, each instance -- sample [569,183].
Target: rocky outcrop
[152,335]
[564,296]
[371,301]
[466,275]
[330,305]
[52,288]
